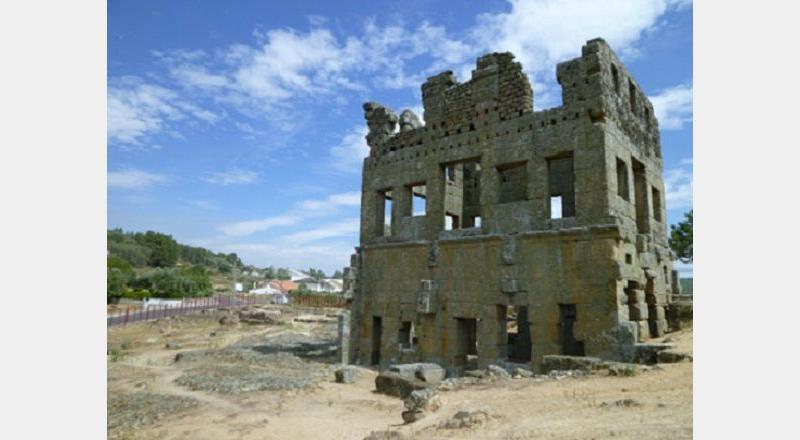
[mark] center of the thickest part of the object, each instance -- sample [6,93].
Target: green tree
[201,282]
[195,255]
[116,235]
[316,273]
[136,254]
[224,267]
[113,261]
[283,274]
[163,248]
[301,290]
[233,259]
[338,274]
[115,282]
[680,238]
[174,283]
[118,274]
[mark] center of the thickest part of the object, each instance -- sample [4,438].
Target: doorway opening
[467,340]
[515,332]
[377,329]
[568,314]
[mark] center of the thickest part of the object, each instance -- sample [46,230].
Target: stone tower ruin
[494,233]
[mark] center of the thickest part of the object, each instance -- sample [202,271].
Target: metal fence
[682,298]
[319,301]
[187,306]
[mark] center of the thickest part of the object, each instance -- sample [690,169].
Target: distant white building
[323,285]
[266,290]
[295,274]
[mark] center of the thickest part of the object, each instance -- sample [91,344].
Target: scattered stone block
[466,418]
[561,362]
[229,320]
[563,374]
[477,374]
[623,403]
[419,403]
[497,372]
[260,316]
[346,375]
[672,356]
[646,353]
[426,372]
[449,384]
[521,372]
[393,384]
[173,346]
[622,369]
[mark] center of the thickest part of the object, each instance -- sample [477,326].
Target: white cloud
[339,229]
[134,179]
[233,177]
[136,110]
[239,229]
[348,156]
[198,76]
[300,211]
[327,246]
[290,62]
[542,33]
[678,184]
[251,131]
[673,106]
[286,69]
[287,64]
[204,204]
[348,199]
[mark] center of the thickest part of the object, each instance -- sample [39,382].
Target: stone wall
[492,172]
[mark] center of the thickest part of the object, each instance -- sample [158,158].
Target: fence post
[127,310]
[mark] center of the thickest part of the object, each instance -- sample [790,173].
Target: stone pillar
[676,282]
[344,336]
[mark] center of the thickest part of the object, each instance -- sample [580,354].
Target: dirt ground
[275,381]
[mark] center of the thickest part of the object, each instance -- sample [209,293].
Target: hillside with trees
[152,264]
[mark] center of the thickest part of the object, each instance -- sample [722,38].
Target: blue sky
[238,126]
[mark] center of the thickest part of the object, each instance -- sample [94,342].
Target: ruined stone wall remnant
[542,232]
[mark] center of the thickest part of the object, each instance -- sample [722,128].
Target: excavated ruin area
[192,377]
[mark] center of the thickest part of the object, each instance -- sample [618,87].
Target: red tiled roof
[284,286]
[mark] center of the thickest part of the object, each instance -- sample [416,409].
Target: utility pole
[233,288]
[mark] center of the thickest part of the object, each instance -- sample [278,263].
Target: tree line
[156,255]
[146,264]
